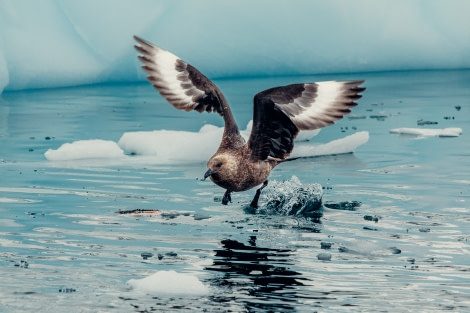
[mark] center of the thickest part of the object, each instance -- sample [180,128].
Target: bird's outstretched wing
[185,87]
[280,112]
[178,82]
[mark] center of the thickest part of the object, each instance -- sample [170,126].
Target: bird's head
[221,167]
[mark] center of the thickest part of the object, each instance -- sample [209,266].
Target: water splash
[291,197]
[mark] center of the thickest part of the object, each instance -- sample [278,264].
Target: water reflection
[260,277]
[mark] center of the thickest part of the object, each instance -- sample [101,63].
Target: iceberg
[90,42]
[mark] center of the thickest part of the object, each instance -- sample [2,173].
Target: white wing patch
[168,75]
[321,105]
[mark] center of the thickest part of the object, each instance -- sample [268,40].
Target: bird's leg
[254,202]
[227,198]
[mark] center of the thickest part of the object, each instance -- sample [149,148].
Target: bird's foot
[227,198]
[254,202]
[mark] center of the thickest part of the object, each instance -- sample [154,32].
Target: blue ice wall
[51,43]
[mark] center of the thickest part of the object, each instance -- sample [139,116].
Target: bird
[279,113]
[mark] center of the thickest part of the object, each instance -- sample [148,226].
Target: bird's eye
[218,165]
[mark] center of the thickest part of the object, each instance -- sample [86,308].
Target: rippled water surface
[393,234]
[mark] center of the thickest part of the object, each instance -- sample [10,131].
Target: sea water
[127,233]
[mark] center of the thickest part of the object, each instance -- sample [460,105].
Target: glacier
[53,43]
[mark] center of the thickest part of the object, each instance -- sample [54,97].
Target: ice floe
[169,283]
[85,149]
[343,145]
[182,147]
[173,146]
[423,132]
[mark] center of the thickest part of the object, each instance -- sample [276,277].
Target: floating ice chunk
[85,149]
[305,135]
[347,144]
[422,132]
[184,147]
[172,146]
[169,283]
[291,197]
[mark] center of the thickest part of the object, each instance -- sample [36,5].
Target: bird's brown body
[279,114]
[237,171]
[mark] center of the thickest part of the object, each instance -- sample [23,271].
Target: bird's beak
[208,173]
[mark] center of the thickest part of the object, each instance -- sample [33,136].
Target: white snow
[423,132]
[90,41]
[169,283]
[184,147]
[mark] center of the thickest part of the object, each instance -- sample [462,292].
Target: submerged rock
[345,205]
[325,245]
[425,122]
[291,197]
[324,256]
[394,250]
[22,264]
[146,255]
[371,218]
